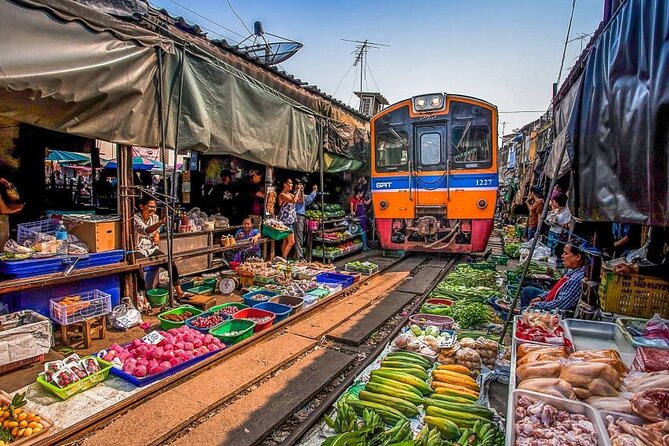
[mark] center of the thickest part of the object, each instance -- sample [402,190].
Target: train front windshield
[392,141]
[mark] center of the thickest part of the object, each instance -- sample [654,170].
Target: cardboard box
[99,234]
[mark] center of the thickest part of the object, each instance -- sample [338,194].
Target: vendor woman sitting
[247,232]
[146,225]
[566,293]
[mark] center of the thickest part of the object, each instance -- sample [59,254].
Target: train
[434,173]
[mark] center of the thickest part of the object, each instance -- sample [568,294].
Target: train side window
[392,150]
[430,149]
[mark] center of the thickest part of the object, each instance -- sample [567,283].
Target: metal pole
[168,225]
[532,247]
[321,161]
[176,141]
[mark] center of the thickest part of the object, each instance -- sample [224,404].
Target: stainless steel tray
[592,335]
[571,406]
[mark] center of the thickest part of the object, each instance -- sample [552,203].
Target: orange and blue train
[434,173]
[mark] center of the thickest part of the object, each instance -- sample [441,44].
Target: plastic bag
[125,315]
[657,328]
[541,252]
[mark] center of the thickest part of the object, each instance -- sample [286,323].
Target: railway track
[273,390]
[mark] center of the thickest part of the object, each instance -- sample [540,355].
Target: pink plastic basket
[423,320]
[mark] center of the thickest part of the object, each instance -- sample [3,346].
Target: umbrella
[63,157]
[138,163]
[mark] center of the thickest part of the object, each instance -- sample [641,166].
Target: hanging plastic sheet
[619,123]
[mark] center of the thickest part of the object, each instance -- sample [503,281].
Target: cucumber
[407,408]
[394,391]
[406,378]
[415,371]
[410,357]
[396,385]
[462,408]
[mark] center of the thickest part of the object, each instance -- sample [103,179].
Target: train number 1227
[484,182]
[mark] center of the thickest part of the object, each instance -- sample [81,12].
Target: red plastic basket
[436,301]
[5,368]
[441,322]
[249,313]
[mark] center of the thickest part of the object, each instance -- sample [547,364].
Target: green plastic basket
[222,331]
[78,386]
[166,324]
[500,259]
[204,289]
[157,297]
[275,234]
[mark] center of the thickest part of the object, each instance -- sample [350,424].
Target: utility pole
[361,49]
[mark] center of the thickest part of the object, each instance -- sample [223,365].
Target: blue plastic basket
[250,301]
[335,279]
[281,311]
[17,269]
[189,321]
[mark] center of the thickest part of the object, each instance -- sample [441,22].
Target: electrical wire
[206,18]
[566,41]
[342,79]
[240,19]
[373,78]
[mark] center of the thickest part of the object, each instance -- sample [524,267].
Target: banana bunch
[399,433]
[346,421]
[428,437]
[481,434]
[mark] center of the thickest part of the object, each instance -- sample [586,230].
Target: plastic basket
[222,332]
[20,363]
[204,289]
[335,278]
[423,320]
[189,321]
[294,302]
[28,231]
[500,259]
[91,304]
[255,297]
[234,305]
[157,297]
[275,234]
[439,301]
[483,265]
[78,386]
[166,324]
[633,295]
[281,311]
[256,313]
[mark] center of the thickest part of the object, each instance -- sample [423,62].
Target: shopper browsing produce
[559,219]
[287,215]
[358,208]
[536,204]
[303,201]
[146,225]
[566,292]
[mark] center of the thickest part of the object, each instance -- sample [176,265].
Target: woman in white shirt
[559,219]
[146,232]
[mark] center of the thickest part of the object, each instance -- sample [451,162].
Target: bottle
[61,236]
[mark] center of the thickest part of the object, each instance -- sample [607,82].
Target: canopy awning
[138,163]
[63,157]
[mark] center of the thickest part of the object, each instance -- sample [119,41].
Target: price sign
[153,338]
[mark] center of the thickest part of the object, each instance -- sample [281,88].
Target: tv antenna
[361,49]
[269,53]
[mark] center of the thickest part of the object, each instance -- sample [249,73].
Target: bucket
[157,297]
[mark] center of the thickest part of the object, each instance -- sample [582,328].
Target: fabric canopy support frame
[68,75]
[617,128]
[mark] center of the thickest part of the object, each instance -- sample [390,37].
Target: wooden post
[125,209]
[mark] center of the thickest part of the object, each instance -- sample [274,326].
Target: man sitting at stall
[566,293]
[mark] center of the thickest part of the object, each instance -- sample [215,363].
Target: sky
[505,52]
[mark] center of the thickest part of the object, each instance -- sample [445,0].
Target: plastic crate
[201,290]
[78,386]
[281,311]
[91,304]
[16,269]
[166,324]
[256,313]
[335,278]
[294,302]
[28,231]
[255,297]
[244,327]
[275,234]
[633,294]
[189,321]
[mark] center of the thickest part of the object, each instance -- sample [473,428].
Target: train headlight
[428,102]
[383,204]
[482,204]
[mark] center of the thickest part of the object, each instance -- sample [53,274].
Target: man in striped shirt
[566,293]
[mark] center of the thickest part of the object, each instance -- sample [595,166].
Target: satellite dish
[272,52]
